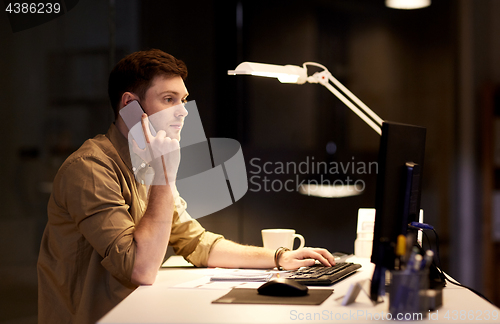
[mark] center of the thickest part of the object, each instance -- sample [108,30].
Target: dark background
[426,67]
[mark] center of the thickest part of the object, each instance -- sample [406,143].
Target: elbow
[143,281]
[143,278]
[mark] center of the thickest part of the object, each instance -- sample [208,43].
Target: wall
[407,66]
[53,97]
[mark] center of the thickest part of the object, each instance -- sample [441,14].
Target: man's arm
[152,234]
[228,254]
[153,231]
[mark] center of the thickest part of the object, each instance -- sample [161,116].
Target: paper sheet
[224,279]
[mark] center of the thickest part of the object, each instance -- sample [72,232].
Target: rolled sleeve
[103,219]
[199,257]
[120,257]
[189,238]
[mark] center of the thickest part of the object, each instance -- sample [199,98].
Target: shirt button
[143,165]
[133,169]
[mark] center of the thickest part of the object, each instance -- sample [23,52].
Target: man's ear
[128,97]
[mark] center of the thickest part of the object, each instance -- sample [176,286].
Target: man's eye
[168,100]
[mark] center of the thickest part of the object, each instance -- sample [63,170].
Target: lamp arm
[366,114]
[361,104]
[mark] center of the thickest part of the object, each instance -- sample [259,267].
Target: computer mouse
[283,287]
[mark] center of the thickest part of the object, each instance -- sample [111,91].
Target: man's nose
[181,110]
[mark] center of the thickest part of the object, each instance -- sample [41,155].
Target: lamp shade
[284,73]
[407,4]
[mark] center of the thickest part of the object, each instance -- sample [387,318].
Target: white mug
[276,238]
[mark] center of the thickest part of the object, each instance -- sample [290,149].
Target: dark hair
[135,72]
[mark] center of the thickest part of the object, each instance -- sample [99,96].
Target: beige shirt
[87,251]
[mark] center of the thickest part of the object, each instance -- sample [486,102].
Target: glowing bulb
[407,4]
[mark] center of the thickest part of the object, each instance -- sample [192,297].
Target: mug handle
[302,240]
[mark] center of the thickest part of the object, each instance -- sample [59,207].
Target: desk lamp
[298,75]
[401,157]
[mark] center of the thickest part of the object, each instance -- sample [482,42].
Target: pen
[428,257]
[400,251]
[410,239]
[417,262]
[411,260]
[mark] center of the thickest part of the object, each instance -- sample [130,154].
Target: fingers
[322,255]
[305,263]
[320,258]
[306,257]
[145,127]
[161,134]
[136,149]
[326,255]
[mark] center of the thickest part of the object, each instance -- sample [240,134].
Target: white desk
[161,303]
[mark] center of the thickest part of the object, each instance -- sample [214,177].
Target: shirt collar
[120,143]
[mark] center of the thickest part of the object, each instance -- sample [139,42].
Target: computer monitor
[400,167]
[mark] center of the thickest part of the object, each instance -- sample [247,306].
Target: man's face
[164,104]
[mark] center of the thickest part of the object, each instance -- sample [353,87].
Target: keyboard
[324,276]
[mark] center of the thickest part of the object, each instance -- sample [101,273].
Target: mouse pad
[251,296]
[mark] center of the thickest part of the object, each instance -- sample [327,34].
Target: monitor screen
[400,166]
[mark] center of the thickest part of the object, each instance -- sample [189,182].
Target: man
[108,233]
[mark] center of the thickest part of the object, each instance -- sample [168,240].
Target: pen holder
[407,294]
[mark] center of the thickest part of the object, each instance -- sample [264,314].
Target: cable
[314,64]
[428,240]
[445,276]
[437,249]
[463,286]
[422,227]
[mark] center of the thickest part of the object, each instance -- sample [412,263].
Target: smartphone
[132,116]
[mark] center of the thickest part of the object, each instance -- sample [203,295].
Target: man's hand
[162,152]
[306,257]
